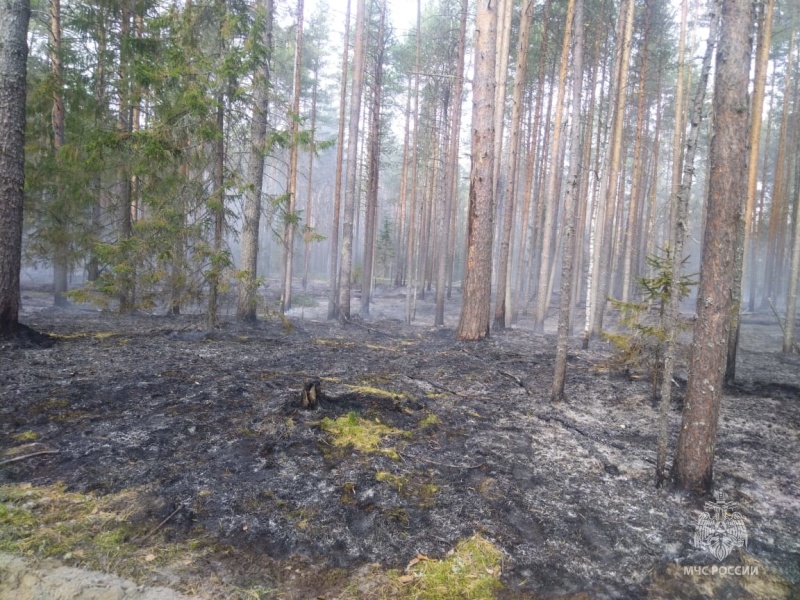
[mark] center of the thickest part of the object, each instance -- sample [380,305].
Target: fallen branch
[31,455]
[444,389]
[517,380]
[164,522]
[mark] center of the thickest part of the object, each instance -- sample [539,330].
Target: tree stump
[311,395]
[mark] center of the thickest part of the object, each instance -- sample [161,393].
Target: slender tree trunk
[794,277]
[694,458]
[475,307]
[247,305]
[403,215]
[333,264]
[638,165]
[14,17]
[542,297]
[570,202]
[451,172]
[411,284]
[520,76]
[671,317]
[359,59]
[218,210]
[778,209]
[523,273]
[599,304]
[290,223]
[680,123]
[61,248]
[309,220]
[125,284]
[374,161]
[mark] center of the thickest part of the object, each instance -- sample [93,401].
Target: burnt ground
[209,426]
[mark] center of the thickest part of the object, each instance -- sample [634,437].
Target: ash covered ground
[208,426]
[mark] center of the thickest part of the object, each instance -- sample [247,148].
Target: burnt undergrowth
[210,431]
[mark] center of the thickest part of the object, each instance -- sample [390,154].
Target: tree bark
[570,202]
[333,265]
[694,459]
[543,286]
[520,76]
[451,172]
[475,308]
[374,161]
[678,238]
[290,221]
[411,275]
[14,17]
[359,57]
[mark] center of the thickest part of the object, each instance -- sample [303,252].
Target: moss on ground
[363,435]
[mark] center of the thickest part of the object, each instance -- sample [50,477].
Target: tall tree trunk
[14,17]
[694,458]
[615,157]
[520,77]
[764,37]
[247,305]
[310,219]
[411,283]
[290,219]
[570,202]
[671,317]
[451,172]
[333,257]
[125,285]
[374,161]
[475,307]
[542,297]
[638,164]
[359,59]
[778,209]
[61,248]
[680,123]
[523,273]
[217,208]
[402,225]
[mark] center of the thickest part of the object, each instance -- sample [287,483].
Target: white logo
[721,532]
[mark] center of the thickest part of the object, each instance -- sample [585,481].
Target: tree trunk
[671,318]
[61,248]
[612,189]
[14,17]
[638,166]
[333,264]
[680,123]
[359,57]
[542,297]
[451,172]
[374,161]
[411,284]
[126,281]
[290,219]
[475,308]
[728,154]
[520,76]
[307,217]
[570,202]
[247,304]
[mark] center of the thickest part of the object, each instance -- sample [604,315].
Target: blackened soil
[210,424]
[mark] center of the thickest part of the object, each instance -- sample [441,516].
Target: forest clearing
[183,458]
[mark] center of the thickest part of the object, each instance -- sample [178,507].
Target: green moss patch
[363,435]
